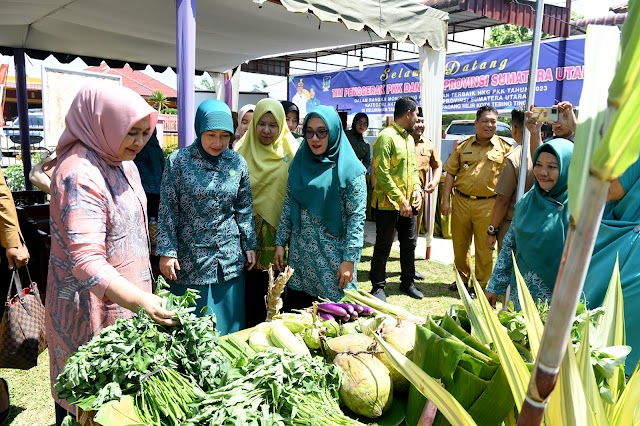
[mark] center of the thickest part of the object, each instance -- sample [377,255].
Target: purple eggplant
[325,316]
[366,311]
[333,309]
[347,307]
[354,315]
[358,308]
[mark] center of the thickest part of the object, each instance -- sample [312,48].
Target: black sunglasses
[320,133]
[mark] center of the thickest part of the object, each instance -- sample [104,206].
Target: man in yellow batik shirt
[397,197]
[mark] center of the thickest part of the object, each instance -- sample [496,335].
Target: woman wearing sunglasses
[323,216]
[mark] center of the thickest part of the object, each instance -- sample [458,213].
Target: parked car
[459,130]
[36,128]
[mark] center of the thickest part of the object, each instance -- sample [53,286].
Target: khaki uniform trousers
[471,218]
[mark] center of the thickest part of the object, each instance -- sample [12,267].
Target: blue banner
[497,77]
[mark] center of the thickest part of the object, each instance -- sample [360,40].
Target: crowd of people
[243,198]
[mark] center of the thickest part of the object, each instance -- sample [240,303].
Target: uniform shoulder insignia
[504,140]
[465,141]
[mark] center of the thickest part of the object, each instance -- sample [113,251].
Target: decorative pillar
[23,113]
[186,66]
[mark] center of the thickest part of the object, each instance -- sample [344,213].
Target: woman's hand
[130,297]
[278,259]
[17,256]
[152,305]
[169,266]
[492,298]
[345,273]
[530,122]
[251,259]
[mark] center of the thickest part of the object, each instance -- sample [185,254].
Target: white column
[432,64]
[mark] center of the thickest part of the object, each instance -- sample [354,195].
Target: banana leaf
[467,369]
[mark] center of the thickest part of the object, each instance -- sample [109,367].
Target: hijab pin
[232,172]
[285,159]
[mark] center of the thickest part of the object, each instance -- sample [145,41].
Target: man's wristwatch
[492,230]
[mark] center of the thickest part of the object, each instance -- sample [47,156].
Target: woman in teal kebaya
[206,234]
[539,228]
[323,215]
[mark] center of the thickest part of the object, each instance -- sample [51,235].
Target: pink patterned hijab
[100,117]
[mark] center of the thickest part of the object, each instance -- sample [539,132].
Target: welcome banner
[497,77]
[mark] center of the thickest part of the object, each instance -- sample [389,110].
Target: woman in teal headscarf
[206,234]
[618,237]
[323,215]
[539,228]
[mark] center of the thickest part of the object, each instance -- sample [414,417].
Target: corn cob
[283,338]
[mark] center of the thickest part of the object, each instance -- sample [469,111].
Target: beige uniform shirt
[10,235]
[508,180]
[477,167]
[426,158]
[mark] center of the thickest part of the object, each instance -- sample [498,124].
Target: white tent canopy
[229,32]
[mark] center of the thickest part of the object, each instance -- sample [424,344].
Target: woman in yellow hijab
[268,147]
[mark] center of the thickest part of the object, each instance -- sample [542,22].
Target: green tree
[159,100]
[508,34]
[206,84]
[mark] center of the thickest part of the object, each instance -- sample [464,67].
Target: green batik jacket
[394,168]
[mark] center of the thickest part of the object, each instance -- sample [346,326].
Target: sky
[277,86]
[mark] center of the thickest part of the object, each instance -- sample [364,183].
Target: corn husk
[366,387]
[283,338]
[259,341]
[275,289]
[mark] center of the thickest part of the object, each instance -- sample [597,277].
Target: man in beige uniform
[472,170]
[426,159]
[508,183]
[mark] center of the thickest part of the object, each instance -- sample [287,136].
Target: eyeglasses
[320,133]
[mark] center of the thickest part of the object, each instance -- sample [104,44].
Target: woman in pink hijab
[99,264]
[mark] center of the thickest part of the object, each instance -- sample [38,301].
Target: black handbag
[22,330]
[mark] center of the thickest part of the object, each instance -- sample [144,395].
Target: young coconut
[349,343]
[366,387]
[402,337]
[400,383]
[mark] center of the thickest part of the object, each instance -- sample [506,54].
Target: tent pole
[531,93]
[431,68]
[186,66]
[23,113]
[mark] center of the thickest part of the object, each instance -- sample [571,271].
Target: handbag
[22,330]
[41,173]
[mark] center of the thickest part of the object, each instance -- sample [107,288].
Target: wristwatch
[492,230]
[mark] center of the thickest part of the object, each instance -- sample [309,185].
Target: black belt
[474,197]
